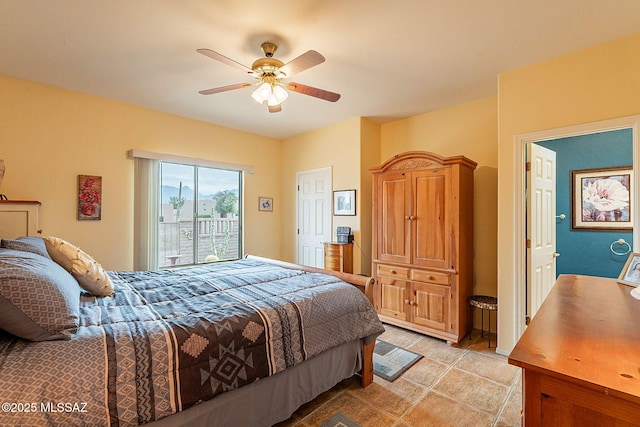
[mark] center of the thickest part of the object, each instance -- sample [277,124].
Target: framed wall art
[602,199]
[344,202]
[89,197]
[265,204]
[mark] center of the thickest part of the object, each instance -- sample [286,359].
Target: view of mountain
[187,193]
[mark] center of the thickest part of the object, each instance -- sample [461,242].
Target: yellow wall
[595,84]
[336,146]
[471,130]
[370,139]
[48,136]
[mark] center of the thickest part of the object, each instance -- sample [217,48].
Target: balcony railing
[176,239]
[220,225]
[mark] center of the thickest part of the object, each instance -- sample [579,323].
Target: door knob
[555,254]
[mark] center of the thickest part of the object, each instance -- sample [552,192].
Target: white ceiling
[388,58]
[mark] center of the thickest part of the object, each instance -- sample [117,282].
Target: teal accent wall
[587,252]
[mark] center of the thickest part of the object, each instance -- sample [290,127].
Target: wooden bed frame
[364,283]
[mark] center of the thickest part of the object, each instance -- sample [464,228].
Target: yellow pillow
[89,274]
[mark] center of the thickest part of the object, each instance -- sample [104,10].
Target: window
[199,214]
[209,223]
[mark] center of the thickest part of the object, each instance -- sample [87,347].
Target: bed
[232,343]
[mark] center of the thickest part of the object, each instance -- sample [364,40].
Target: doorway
[520,289]
[557,247]
[586,250]
[313,215]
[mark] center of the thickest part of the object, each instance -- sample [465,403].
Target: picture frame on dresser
[630,273]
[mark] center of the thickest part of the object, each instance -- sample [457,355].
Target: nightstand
[338,257]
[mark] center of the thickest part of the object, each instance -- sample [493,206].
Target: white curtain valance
[138,154]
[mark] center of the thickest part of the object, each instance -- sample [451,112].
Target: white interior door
[541,225]
[313,216]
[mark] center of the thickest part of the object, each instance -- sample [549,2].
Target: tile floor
[469,385]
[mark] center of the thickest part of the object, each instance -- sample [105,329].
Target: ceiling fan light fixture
[280,93]
[273,101]
[262,93]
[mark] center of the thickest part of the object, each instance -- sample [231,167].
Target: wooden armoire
[423,243]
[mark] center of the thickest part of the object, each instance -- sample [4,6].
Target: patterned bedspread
[170,339]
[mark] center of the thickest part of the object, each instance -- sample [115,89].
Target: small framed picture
[344,202]
[630,274]
[265,204]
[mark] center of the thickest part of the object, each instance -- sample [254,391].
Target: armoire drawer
[392,271]
[430,277]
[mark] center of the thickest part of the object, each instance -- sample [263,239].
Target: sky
[210,181]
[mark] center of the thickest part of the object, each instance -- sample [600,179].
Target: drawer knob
[430,277]
[393,272]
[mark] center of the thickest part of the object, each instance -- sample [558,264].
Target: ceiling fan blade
[305,61]
[275,108]
[223,88]
[219,57]
[314,91]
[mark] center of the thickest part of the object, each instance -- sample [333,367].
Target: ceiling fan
[269,74]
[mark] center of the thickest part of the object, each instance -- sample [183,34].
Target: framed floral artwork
[602,199]
[89,197]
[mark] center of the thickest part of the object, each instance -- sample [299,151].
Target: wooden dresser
[423,243]
[338,257]
[19,218]
[581,356]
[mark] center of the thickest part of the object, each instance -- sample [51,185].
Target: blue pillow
[27,244]
[39,300]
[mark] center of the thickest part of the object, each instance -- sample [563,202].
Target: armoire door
[394,226]
[431,218]
[393,297]
[430,305]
